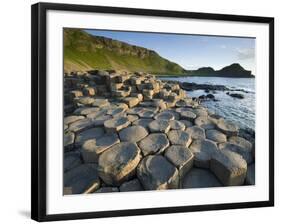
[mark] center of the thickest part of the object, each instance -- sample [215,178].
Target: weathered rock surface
[188,115]
[164,116]
[118,164]
[156,173]
[81,179]
[93,148]
[227,127]
[81,125]
[99,121]
[200,178]
[203,151]
[116,124]
[178,137]
[70,119]
[154,143]
[144,122]
[216,136]
[181,157]
[177,125]
[88,134]
[187,123]
[196,132]
[133,134]
[159,126]
[242,142]
[204,122]
[132,185]
[229,167]
[244,152]
[86,110]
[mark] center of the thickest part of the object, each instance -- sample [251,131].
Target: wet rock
[236,95]
[181,157]
[107,190]
[178,137]
[244,152]
[154,143]
[118,164]
[215,136]
[229,167]
[227,127]
[71,160]
[93,148]
[81,125]
[164,116]
[132,185]
[159,126]
[196,132]
[81,179]
[116,124]
[250,176]
[204,122]
[177,125]
[203,151]
[70,119]
[156,173]
[144,122]
[133,134]
[188,115]
[88,134]
[68,140]
[200,178]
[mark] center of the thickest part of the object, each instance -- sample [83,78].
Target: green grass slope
[83,51]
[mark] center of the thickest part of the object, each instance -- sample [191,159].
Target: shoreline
[152,125]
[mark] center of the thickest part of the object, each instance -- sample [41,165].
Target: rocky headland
[132,132]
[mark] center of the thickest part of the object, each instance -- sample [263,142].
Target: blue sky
[192,51]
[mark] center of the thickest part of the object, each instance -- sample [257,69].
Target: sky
[192,51]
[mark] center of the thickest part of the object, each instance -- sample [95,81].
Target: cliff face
[83,51]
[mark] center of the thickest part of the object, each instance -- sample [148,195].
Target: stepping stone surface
[242,142]
[116,124]
[70,119]
[188,115]
[88,134]
[82,179]
[229,167]
[133,134]
[178,137]
[118,163]
[159,126]
[227,127]
[177,125]
[204,122]
[81,125]
[164,116]
[144,122]
[154,143]
[156,173]
[181,157]
[196,132]
[93,148]
[203,151]
[71,160]
[200,178]
[216,136]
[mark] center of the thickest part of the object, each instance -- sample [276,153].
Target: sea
[239,111]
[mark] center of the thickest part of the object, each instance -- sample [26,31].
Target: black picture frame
[39,122]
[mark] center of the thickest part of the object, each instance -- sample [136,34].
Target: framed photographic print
[139,111]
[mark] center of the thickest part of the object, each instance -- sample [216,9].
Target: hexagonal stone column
[227,127]
[116,124]
[203,151]
[229,167]
[178,137]
[156,173]
[181,157]
[154,143]
[118,163]
[159,126]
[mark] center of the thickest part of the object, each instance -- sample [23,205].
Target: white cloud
[245,53]
[222,46]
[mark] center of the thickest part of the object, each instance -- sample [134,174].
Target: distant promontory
[234,70]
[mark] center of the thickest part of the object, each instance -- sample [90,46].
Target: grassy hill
[83,51]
